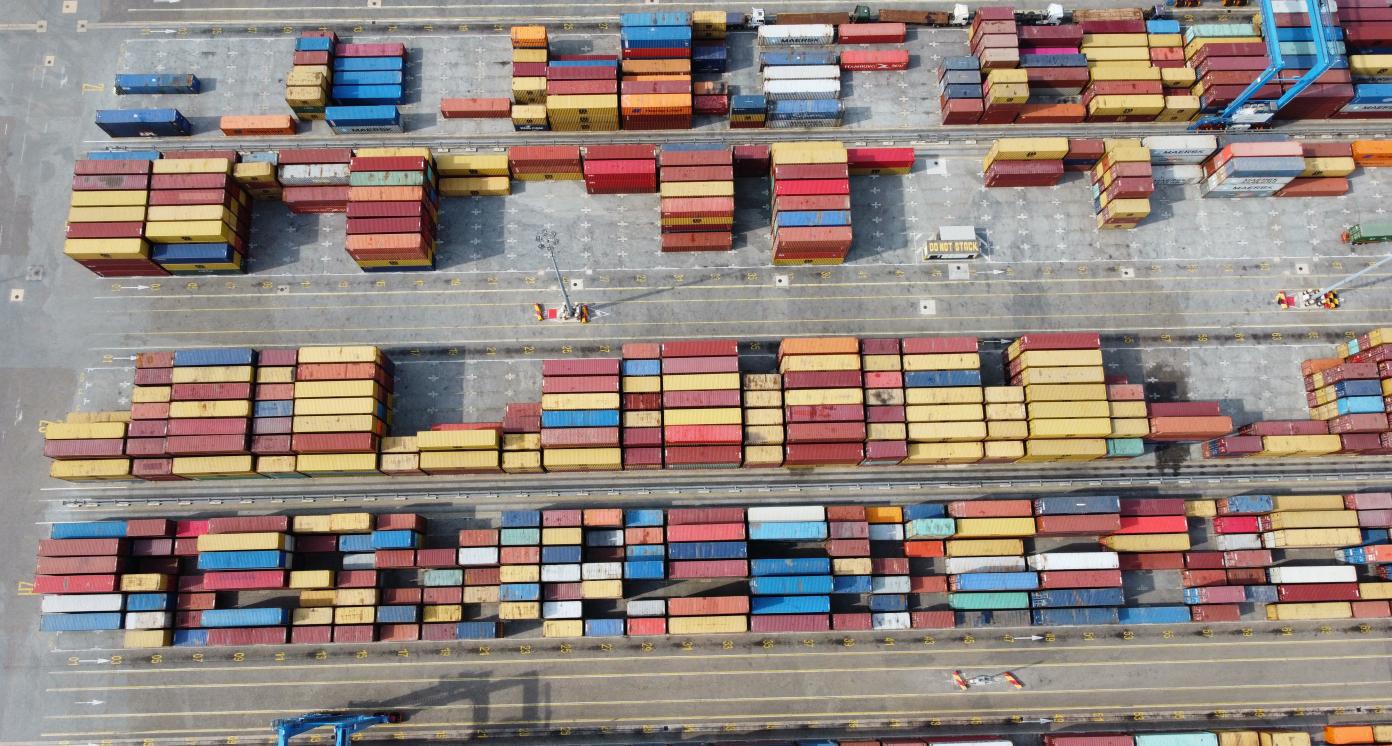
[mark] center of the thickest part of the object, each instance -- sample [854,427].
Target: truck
[1374,231]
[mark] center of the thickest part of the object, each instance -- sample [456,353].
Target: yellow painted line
[749,700]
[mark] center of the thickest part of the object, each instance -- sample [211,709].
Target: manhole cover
[41,26]
[1128,272]
[577,284]
[958,271]
[69,6]
[34,274]
[49,60]
[16,295]
[780,281]
[374,3]
[1302,269]
[282,289]
[81,25]
[928,307]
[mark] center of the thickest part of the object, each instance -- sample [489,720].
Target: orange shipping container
[1338,735]
[656,103]
[1186,427]
[1372,152]
[1318,365]
[819,346]
[258,124]
[384,242]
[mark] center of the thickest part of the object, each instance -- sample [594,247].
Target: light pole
[547,241]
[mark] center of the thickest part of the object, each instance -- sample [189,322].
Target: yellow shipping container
[84,430]
[670,189]
[110,198]
[144,582]
[476,186]
[994,527]
[1004,394]
[799,363]
[87,418]
[763,399]
[782,153]
[1146,542]
[851,566]
[347,405]
[355,597]
[1123,71]
[83,249]
[340,354]
[522,462]
[311,524]
[472,164]
[529,55]
[529,90]
[457,440]
[1115,40]
[336,423]
[214,374]
[945,395]
[1008,75]
[355,615]
[522,442]
[763,455]
[822,397]
[525,573]
[1372,65]
[275,375]
[318,598]
[1129,208]
[1069,409]
[318,615]
[563,628]
[1005,93]
[763,416]
[310,578]
[261,540]
[339,389]
[642,384]
[642,418]
[984,547]
[1010,411]
[486,594]
[601,589]
[1065,449]
[1165,40]
[399,463]
[528,114]
[199,467]
[1005,450]
[1307,502]
[706,625]
[260,174]
[482,460]
[944,361]
[946,432]
[945,413]
[1201,508]
[125,214]
[1314,519]
[217,408]
[1058,358]
[1027,148]
[1300,445]
[1375,592]
[1382,733]
[579,401]
[763,435]
[1007,430]
[189,231]
[699,382]
[569,535]
[1124,427]
[190,213]
[886,431]
[1066,392]
[350,523]
[1079,374]
[1122,409]
[1178,77]
[337,464]
[763,382]
[944,453]
[514,610]
[191,166]
[582,459]
[1297,538]
[1117,54]
[1284,738]
[147,638]
[90,470]
[880,363]
[704,416]
[1300,612]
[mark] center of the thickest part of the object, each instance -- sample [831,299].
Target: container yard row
[326,411]
[1335,735]
[143,213]
[1054,561]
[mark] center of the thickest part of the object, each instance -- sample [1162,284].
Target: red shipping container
[700,348]
[1185,409]
[708,456]
[646,626]
[150,411]
[643,437]
[851,623]
[928,584]
[697,435]
[580,366]
[789,623]
[1358,423]
[102,565]
[478,537]
[204,445]
[833,239]
[889,566]
[440,595]
[717,240]
[923,549]
[335,443]
[1371,609]
[884,379]
[560,518]
[806,202]
[825,432]
[885,414]
[86,167]
[825,413]
[872,33]
[248,636]
[317,635]
[707,606]
[848,548]
[697,173]
[701,399]
[1369,501]
[482,576]
[831,379]
[475,108]
[149,376]
[400,596]
[820,454]
[1080,579]
[931,620]
[394,558]
[680,570]
[628,87]
[105,230]
[1203,578]
[519,555]
[1151,561]
[45,584]
[245,580]
[208,426]
[990,508]
[1236,525]
[93,448]
[354,633]
[811,171]
[398,632]
[697,207]
[195,601]
[1077,525]
[1216,613]
[680,516]
[1152,506]
[875,59]
[1203,560]
[811,187]
[1317,592]
[387,210]
[356,578]
[1222,594]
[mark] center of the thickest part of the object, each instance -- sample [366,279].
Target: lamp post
[548,241]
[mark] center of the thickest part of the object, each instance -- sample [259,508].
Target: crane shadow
[475,697]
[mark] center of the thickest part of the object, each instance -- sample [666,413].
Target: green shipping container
[519,537]
[387,178]
[439,578]
[1125,447]
[987,601]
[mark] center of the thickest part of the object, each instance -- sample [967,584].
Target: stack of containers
[987,575]
[848,546]
[1226,58]
[803,89]
[709,56]
[307,85]
[1176,77]
[272,412]
[620,169]
[562,548]
[95,446]
[473,175]
[641,403]
[148,421]
[1367,36]
[1350,397]
[522,438]
[1076,587]
[77,575]
[583,112]
[392,207]
[890,584]
[886,434]
[879,161]
[763,419]
[811,203]
[698,197]
[580,414]
[961,82]
[1177,422]
[702,423]
[364,119]
[545,163]
[707,544]
[1332,91]
[342,409]
[657,95]
[106,220]
[944,398]
[1327,168]
[209,410]
[199,217]
[795,594]
[1124,85]
[748,111]
[993,39]
[1025,161]
[1130,422]
[1007,424]
[257,174]
[461,448]
[398,542]
[1083,153]
[378,79]
[245,554]
[1252,169]
[1056,71]
[529,83]
[519,566]
[644,559]
[823,401]
[314,180]
[604,570]
[1149,525]
[1065,395]
[400,456]
[478,554]
[1122,182]
[1177,159]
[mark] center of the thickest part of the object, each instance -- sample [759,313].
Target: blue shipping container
[368,95]
[519,592]
[193,638]
[521,518]
[1244,504]
[995,581]
[365,116]
[273,408]
[397,614]
[156,83]
[809,109]
[80,622]
[924,510]
[644,550]
[790,585]
[147,602]
[1359,405]
[365,64]
[889,602]
[1162,26]
[812,218]
[643,368]
[193,253]
[963,90]
[123,155]
[580,418]
[1078,597]
[355,543]
[666,18]
[1082,616]
[937,378]
[476,630]
[776,59]
[564,555]
[89,530]
[645,570]
[261,617]
[746,104]
[218,356]
[789,604]
[367,78]
[857,584]
[1128,447]
[394,539]
[643,517]
[704,550]
[788,531]
[1077,505]
[250,559]
[964,62]
[1358,388]
[1154,615]
[791,566]
[604,627]
[1199,738]
[655,37]
[1262,594]
[961,77]
[143,123]
[314,44]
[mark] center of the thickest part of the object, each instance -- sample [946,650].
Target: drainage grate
[1302,269]
[1128,272]
[958,271]
[17,295]
[928,307]
[780,281]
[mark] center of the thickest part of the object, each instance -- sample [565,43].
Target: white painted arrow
[135,287]
[93,702]
[1031,637]
[96,660]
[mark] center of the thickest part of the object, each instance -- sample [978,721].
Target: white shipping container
[786,513]
[148,620]
[360,561]
[1361,108]
[314,174]
[1288,6]
[802,72]
[606,538]
[801,90]
[1180,149]
[562,609]
[1313,574]
[796,33]
[478,556]
[82,603]
[601,571]
[560,573]
[886,532]
[1177,175]
[647,607]
[1074,561]
[1005,563]
[1234,542]
[889,583]
[891,620]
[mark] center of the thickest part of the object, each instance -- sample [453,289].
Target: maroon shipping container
[195,601]
[394,558]
[89,448]
[831,379]
[669,158]
[885,452]
[482,576]
[105,230]
[1247,558]
[641,401]
[1087,739]
[1066,525]
[806,202]
[825,413]
[1203,578]
[932,619]
[1080,579]
[335,443]
[889,566]
[1151,561]
[80,547]
[580,366]
[851,622]
[700,348]
[1152,506]
[105,182]
[885,414]
[150,376]
[880,346]
[707,531]
[314,635]
[681,516]
[848,548]
[697,173]
[245,580]
[811,171]
[152,547]
[210,391]
[990,508]
[1316,592]
[188,546]
[438,595]
[205,181]
[682,365]
[1023,173]
[789,623]
[604,554]
[1059,341]
[681,570]
[700,399]
[396,596]
[560,518]
[45,584]
[88,167]
[354,633]
[823,454]
[825,432]
[386,210]
[1203,560]
[707,606]
[642,437]
[204,445]
[147,428]
[248,636]
[208,426]
[272,425]
[356,578]
[104,565]
[150,411]
[190,584]
[713,240]
[1247,576]
[573,437]
[274,392]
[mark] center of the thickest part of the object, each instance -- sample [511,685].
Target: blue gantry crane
[1246,110]
[345,724]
